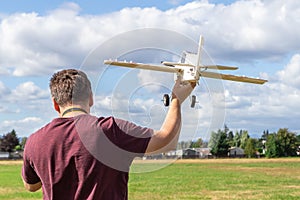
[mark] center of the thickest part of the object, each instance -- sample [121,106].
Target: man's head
[70,87]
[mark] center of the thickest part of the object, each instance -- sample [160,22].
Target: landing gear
[193,101]
[166,100]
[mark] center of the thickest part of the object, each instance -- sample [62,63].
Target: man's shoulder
[104,122]
[55,125]
[39,131]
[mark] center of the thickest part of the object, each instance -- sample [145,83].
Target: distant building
[204,152]
[4,155]
[196,153]
[11,155]
[181,154]
[190,153]
[236,152]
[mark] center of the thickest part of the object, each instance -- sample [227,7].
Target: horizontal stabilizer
[173,64]
[219,67]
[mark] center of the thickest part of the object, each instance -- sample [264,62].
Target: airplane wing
[176,70]
[232,77]
[142,66]
[219,67]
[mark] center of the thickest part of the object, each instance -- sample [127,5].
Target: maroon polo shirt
[84,157]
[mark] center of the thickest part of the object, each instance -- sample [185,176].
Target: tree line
[10,142]
[282,143]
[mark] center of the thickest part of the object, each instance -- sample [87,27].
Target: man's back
[56,156]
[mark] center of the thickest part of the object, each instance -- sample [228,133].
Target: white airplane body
[189,68]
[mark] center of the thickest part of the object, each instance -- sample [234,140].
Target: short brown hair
[70,86]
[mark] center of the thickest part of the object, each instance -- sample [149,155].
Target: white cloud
[28,91]
[23,104]
[290,74]
[254,29]
[35,44]
[4,91]
[270,106]
[23,127]
[4,72]
[245,31]
[154,81]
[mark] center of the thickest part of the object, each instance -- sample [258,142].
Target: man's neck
[74,110]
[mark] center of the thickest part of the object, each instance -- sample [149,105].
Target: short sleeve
[131,137]
[28,173]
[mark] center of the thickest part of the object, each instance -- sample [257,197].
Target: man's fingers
[182,89]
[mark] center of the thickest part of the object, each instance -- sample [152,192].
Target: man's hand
[182,90]
[32,187]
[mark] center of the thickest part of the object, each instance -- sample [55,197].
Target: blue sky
[260,37]
[92,6]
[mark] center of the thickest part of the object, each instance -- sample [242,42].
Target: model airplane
[190,69]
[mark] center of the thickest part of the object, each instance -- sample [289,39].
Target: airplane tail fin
[201,41]
[194,61]
[193,58]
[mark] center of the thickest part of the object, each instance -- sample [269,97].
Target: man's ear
[91,100]
[56,106]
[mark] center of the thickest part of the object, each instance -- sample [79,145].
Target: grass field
[192,179]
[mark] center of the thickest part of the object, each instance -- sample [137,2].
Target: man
[80,156]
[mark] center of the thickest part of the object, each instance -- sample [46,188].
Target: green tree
[286,142]
[244,137]
[272,146]
[237,139]
[23,142]
[223,145]
[282,143]
[298,143]
[298,139]
[197,144]
[226,129]
[230,138]
[9,141]
[213,140]
[265,135]
[250,150]
[219,143]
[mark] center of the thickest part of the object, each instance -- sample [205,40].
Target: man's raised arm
[166,138]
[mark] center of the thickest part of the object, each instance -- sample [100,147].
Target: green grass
[196,179]
[11,185]
[220,179]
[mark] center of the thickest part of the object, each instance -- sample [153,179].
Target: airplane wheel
[166,100]
[193,102]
